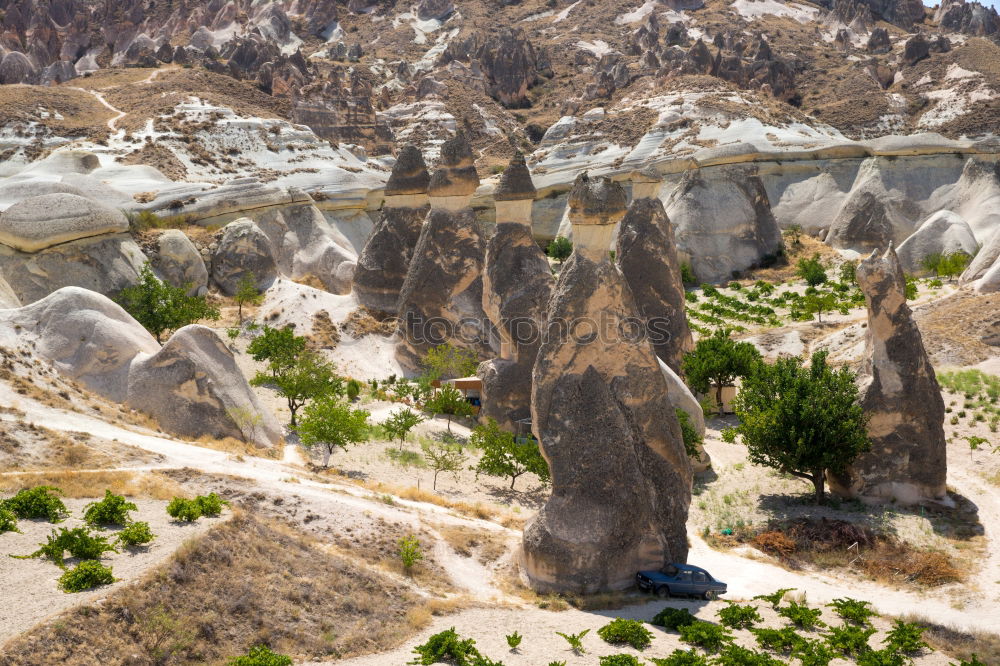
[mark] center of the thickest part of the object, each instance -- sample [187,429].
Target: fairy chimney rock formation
[621,482]
[517,285]
[900,394]
[647,257]
[385,258]
[441,300]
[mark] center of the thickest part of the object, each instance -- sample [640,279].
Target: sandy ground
[30,590]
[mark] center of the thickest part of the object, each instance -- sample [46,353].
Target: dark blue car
[680,580]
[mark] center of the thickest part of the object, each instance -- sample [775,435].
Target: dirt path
[99,96]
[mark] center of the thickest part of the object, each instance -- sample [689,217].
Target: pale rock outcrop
[178,262]
[647,257]
[517,284]
[193,387]
[723,222]
[899,394]
[243,249]
[441,300]
[862,224]
[385,258]
[621,482]
[942,233]
[42,221]
[681,397]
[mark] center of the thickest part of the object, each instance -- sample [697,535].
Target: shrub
[575,640]
[852,610]
[775,597]
[79,542]
[692,440]
[736,616]
[631,632]
[687,274]
[673,618]
[446,646]
[8,521]
[37,502]
[261,655]
[905,637]
[850,639]
[184,509]
[812,652]
[162,307]
[734,655]
[210,504]
[884,657]
[135,534]
[409,551]
[353,389]
[779,640]
[811,270]
[619,660]
[680,658]
[85,575]
[112,510]
[513,640]
[705,635]
[974,661]
[560,248]
[801,615]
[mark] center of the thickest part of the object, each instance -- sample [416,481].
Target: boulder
[723,222]
[434,10]
[385,258]
[510,66]
[647,257]
[178,262]
[942,233]
[899,394]
[878,41]
[243,249]
[861,224]
[917,48]
[984,261]
[39,222]
[621,482]
[193,387]
[517,284]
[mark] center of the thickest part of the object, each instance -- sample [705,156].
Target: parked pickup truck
[680,580]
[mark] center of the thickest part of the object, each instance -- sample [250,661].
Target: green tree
[803,421]
[247,293]
[560,248]
[448,362]
[811,270]
[932,262]
[504,456]
[442,457]
[717,361]
[400,423]
[449,401]
[279,347]
[817,302]
[848,273]
[952,265]
[162,307]
[330,423]
[309,377]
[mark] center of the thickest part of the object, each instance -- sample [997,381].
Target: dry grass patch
[246,582]
[236,447]
[487,546]
[420,616]
[363,321]
[957,643]
[93,483]
[414,494]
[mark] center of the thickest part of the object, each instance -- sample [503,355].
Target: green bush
[85,575]
[775,597]
[849,639]
[734,655]
[801,615]
[680,658]
[575,640]
[705,635]
[852,610]
[619,660]
[112,510]
[692,440]
[736,616]
[210,504]
[184,509]
[687,274]
[409,551]
[514,640]
[37,502]
[622,631]
[261,655]
[969,662]
[886,657]
[353,389]
[779,640]
[812,652]
[8,521]
[447,646]
[79,542]
[673,618]
[135,534]
[905,637]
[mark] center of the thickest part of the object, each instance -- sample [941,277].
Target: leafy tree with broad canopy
[717,361]
[506,457]
[811,270]
[560,248]
[279,347]
[330,423]
[803,421]
[309,377]
[449,401]
[447,362]
[162,307]
[400,423]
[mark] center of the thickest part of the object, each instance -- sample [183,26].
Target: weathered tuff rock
[971,18]
[510,66]
[944,233]
[916,49]
[441,300]
[900,395]
[647,257]
[385,258]
[517,284]
[601,411]
[193,387]
[42,221]
[862,224]
[878,41]
[243,249]
[723,222]
[681,397]
[177,261]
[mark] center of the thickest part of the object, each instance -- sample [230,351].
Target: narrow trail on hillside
[112,123]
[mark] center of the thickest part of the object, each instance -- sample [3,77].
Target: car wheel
[710,595]
[663,591]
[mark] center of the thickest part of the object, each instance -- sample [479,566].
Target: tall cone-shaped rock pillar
[647,257]
[899,394]
[621,483]
[385,259]
[517,285]
[441,300]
